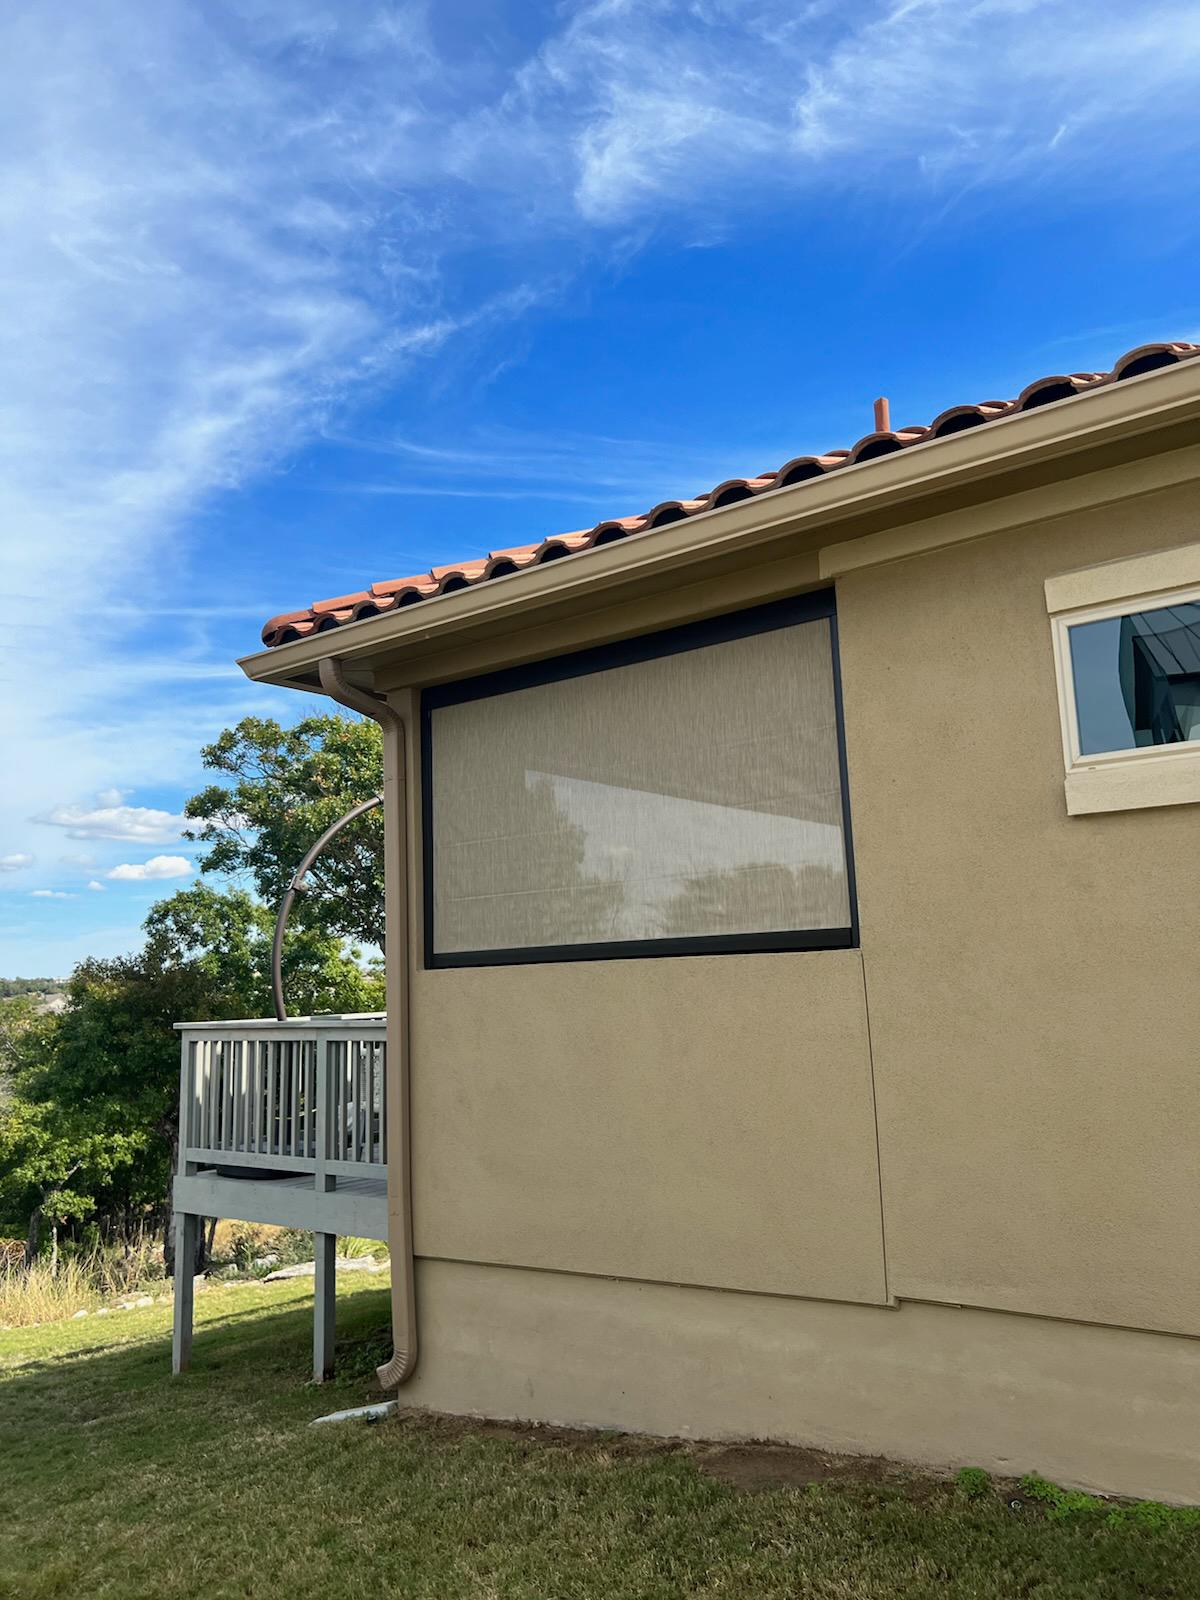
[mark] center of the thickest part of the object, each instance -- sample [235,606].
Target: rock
[302,1269]
[124,1305]
[306,1269]
[104,1311]
[76,1315]
[375,1413]
[144,1300]
[267,1261]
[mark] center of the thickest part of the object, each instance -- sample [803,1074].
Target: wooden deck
[356,1208]
[282,1123]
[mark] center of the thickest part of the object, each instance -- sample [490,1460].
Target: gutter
[399,1163]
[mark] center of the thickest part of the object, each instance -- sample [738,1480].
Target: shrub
[247,1241]
[352,1248]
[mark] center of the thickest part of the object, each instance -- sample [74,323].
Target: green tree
[56,1168]
[220,944]
[107,1068]
[18,1014]
[282,788]
[90,1126]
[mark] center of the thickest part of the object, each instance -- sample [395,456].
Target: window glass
[1137,679]
[693,794]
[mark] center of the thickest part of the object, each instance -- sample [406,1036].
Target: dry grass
[48,1293]
[258,1238]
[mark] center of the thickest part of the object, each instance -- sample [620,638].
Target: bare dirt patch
[759,1466]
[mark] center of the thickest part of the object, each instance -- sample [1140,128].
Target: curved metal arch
[295,887]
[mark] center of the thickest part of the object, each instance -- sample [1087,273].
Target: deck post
[324,1305]
[187,1233]
[324,1181]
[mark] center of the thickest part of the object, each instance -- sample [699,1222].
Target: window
[1129,681]
[1137,678]
[675,794]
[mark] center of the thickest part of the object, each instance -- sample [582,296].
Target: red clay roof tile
[387,596]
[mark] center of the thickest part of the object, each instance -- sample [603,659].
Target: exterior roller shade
[694,794]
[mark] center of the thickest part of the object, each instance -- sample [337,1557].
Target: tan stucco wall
[703,1120]
[1101,1408]
[1026,1041]
[1031,977]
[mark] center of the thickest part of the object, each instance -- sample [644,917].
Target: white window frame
[1121,780]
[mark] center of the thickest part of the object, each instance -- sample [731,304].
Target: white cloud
[140,824]
[16,862]
[96,886]
[111,797]
[156,867]
[51,894]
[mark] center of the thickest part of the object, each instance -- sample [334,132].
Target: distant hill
[14,986]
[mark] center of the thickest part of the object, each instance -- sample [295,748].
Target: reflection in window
[690,795]
[1137,679]
[664,865]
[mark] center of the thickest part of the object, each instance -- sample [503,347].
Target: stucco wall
[1028,977]
[702,1120]
[1017,1030]
[1031,977]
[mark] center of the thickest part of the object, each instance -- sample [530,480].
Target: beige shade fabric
[695,794]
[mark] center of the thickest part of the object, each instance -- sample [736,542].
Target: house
[792,953]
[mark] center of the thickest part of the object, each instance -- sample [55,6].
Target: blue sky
[301,295]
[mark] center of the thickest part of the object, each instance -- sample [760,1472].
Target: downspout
[399,1166]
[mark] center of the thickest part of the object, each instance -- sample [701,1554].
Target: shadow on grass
[245,1354]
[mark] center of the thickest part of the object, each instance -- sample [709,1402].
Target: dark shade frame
[798,609]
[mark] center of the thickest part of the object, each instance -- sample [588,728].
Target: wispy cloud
[51,894]
[203,249]
[988,88]
[17,862]
[500,463]
[663,108]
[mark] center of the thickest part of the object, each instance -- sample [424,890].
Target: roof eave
[991,460]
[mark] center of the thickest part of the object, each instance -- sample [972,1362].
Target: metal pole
[297,887]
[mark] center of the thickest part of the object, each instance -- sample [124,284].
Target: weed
[974,1483]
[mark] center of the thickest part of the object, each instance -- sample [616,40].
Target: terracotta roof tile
[388,596]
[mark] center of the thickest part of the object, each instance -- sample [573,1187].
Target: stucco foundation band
[1107,1409]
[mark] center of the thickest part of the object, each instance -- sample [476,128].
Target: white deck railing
[305,1095]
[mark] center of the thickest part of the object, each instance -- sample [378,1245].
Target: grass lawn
[117,1481]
